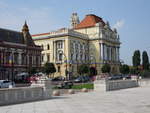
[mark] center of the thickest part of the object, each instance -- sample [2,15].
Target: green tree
[145,61]
[133,70]
[49,68]
[83,69]
[136,60]
[32,71]
[106,68]
[124,69]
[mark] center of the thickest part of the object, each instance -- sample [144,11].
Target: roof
[16,37]
[11,36]
[40,34]
[89,21]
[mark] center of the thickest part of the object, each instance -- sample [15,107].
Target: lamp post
[66,71]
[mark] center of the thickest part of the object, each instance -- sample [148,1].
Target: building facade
[18,53]
[91,41]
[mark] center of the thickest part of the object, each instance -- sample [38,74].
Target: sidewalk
[133,100]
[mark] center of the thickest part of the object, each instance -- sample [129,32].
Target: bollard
[71,91]
[84,90]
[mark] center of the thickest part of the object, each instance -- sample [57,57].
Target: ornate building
[18,52]
[91,41]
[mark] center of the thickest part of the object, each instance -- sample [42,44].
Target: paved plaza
[133,100]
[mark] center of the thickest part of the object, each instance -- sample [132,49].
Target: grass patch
[88,86]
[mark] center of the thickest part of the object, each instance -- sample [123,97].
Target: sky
[130,17]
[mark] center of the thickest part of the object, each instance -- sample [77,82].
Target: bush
[83,69]
[124,69]
[106,68]
[88,86]
[145,74]
[49,68]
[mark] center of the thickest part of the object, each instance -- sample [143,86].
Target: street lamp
[66,71]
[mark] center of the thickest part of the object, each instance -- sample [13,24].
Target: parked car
[33,79]
[60,78]
[82,79]
[115,77]
[127,76]
[93,78]
[6,84]
[22,77]
[65,85]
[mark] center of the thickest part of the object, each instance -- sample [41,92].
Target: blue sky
[131,17]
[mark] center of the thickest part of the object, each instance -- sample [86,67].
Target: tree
[83,69]
[106,68]
[136,60]
[49,68]
[124,69]
[133,70]
[32,70]
[145,61]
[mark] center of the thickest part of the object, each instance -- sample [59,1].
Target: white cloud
[119,24]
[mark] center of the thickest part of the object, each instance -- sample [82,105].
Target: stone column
[105,52]
[54,51]
[19,58]
[118,54]
[113,53]
[102,51]
[110,53]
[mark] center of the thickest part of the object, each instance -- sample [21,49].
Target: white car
[6,84]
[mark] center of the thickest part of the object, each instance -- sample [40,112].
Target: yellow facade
[69,48]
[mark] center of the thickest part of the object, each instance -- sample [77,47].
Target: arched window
[60,56]
[48,47]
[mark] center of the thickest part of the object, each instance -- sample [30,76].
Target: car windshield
[6,81]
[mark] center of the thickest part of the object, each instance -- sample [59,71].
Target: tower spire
[74,20]
[25,27]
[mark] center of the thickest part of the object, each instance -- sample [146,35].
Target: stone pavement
[133,100]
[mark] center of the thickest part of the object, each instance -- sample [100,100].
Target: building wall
[96,46]
[17,59]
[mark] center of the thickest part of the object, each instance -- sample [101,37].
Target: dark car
[60,78]
[82,79]
[86,78]
[127,76]
[115,77]
[65,85]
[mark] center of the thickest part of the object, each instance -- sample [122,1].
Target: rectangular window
[42,58]
[58,68]
[60,44]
